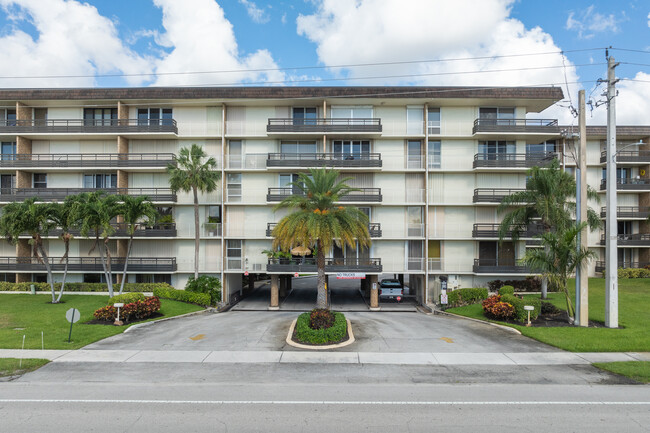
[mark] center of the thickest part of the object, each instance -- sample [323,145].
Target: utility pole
[582,280]
[611,229]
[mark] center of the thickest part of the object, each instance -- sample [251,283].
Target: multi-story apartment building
[430,164]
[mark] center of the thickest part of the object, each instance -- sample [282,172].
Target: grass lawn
[28,315]
[635,370]
[634,316]
[13,366]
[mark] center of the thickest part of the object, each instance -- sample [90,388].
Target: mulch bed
[109,322]
[346,337]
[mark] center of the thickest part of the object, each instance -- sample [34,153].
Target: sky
[120,43]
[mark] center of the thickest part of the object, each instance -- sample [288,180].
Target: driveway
[374,332]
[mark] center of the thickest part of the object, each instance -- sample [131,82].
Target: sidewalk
[257,357]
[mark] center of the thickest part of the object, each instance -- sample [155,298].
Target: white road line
[339,403]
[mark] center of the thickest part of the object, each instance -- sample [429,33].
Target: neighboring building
[431,165]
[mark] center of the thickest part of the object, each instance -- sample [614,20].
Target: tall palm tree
[193,173]
[65,217]
[136,211]
[34,219]
[318,221]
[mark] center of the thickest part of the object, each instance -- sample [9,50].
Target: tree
[318,221]
[559,258]
[65,217]
[546,201]
[136,211]
[192,174]
[34,219]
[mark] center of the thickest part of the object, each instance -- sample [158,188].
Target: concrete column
[122,146]
[374,293]
[23,179]
[275,295]
[23,145]
[122,111]
[23,112]
[122,179]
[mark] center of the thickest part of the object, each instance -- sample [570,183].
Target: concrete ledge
[505,328]
[292,343]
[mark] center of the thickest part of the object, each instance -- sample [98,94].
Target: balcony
[493,195]
[492,231]
[56,194]
[628,212]
[158,230]
[332,265]
[360,195]
[361,160]
[89,264]
[628,184]
[88,126]
[323,126]
[80,160]
[513,160]
[629,157]
[632,240]
[601,266]
[516,126]
[492,266]
[374,229]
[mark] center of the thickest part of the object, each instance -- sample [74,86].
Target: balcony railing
[331,265]
[530,126]
[361,195]
[53,194]
[278,125]
[88,126]
[628,212]
[89,264]
[601,266]
[374,229]
[88,160]
[492,266]
[493,195]
[628,184]
[323,160]
[513,160]
[636,239]
[481,230]
[434,264]
[212,230]
[121,230]
[628,156]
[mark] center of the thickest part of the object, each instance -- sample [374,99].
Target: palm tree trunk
[321,298]
[109,270]
[126,263]
[66,241]
[106,275]
[197,233]
[50,278]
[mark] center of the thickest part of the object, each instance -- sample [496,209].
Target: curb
[292,343]
[505,328]
[194,313]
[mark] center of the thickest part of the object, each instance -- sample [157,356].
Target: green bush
[521,315]
[333,334]
[205,284]
[183,296]
[126,298]
[80,287]
[507,290]
[460,297]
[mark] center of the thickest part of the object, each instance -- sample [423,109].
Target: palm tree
[559,258]
[136,211]
[65,217]
[34,219]
[318,221]
[192,174]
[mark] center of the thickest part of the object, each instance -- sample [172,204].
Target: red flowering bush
[321,319]
[135,310]
[494,308]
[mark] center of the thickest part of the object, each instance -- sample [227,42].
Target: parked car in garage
[391,289]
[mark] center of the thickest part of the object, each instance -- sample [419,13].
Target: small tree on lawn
[66,218]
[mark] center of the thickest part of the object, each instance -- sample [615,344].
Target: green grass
[28,315]
[14,366]
[634,316]
[635,370]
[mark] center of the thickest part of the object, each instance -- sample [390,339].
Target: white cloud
[632,105]
[588,22]
[256,14]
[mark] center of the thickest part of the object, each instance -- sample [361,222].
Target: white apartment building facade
[430,164]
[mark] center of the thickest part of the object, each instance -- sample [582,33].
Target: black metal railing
[635,239]
[304,264]
[544,126]
[89,264]
[513,160]
[88,160]
[53,194]
[374,229]
[89,126]
[121,230]
[628,156]
[493,195]
[489,230]
[601,266]
[324,160]
[359,195]
[489,266]
[628,212]
[628,184]
[321,125]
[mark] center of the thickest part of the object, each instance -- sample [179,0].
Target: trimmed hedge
[460,297]
[140,309]
[632,273]
[521,315]
[126,298]
[507,290]
[530,284]
[333,334]
[205,284]
[80,287]
[202,299]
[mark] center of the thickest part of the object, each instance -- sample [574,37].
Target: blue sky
[149,42]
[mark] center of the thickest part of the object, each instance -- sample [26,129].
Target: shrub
[548,308]
[495,308]
[183,296]
[333,334]
[140,309]
[80,287]
[507,290]
[460,297]
[320,319]
[205,284]
[126,298]
[521,315]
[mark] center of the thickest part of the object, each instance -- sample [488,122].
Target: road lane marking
[198,337]
[447,339]
[339,403]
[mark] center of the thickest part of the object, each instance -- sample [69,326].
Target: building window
[414,154]
[153,278]
[350,149]
[9,278]
[233,253]
[493,253]
[497,115]
[545,147]
[100,181]
[8,117]
[304,115]
[100,116]
[233,187]
[7,183]
[154,116]
[40,180]
[356,115]
[213,224]
[491,150]
[435,155]
[415,120]
[433,121]
[8,149]
[302,147]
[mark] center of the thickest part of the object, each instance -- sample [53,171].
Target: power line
[631,50]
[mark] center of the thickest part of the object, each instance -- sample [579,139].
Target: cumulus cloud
[589,22]
[255,13]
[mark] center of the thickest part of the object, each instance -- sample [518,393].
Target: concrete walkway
[257,357]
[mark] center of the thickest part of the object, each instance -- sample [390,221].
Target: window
[545,147]
[414,221]
[357,115]
[493,253]
[414,154]
[435,154]
[40,180]
[491,150]
[100,181]
[97,278]
[213,224]
[234,153]
[304,115]
[415,120]
[154,116]
[497,115]
[9,278]
[433,121]
[233,187]
[8,117]
[293,147]
[415,255]
[100,116]
[8,149]
[7,183]
[350,149]
[153,278]
[233,253]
